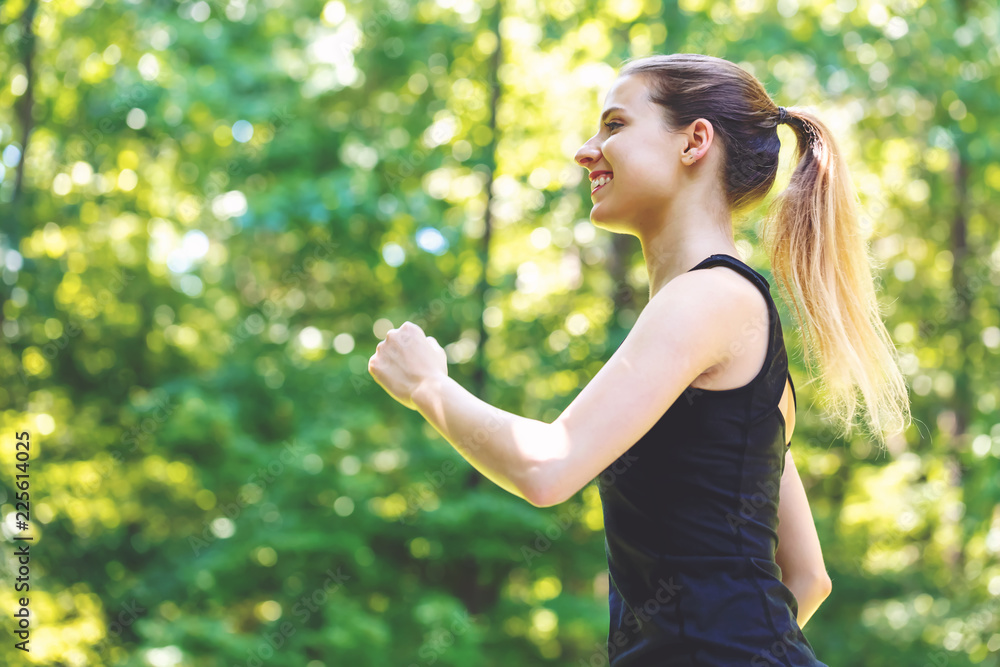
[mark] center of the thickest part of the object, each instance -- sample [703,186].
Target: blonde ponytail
[821,261]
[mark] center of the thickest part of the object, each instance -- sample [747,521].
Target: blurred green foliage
[224,204]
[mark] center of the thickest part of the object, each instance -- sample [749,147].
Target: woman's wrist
[424,396]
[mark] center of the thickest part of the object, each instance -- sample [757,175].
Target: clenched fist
[405,359]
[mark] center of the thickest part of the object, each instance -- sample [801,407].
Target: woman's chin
[609,224]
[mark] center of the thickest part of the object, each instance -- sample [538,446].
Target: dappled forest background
[211,212]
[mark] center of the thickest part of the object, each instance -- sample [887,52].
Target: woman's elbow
[810,589]
[543,487]
[546,470]
[823,585]
[542,500]
[544,494]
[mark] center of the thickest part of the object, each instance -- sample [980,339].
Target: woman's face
[642,157]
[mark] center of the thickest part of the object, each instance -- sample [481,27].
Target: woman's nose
[588,154]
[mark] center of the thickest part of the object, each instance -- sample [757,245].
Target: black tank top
[691,518]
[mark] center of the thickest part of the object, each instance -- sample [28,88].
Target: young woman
[688,425]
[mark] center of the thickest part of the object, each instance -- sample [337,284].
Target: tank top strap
[741,267]
[775,338]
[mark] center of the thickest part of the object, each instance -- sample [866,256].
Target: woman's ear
[700,134]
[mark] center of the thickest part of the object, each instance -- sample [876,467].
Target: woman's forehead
[629,92]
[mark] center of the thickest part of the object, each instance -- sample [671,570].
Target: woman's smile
[601,182]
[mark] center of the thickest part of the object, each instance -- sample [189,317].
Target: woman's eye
[610,123]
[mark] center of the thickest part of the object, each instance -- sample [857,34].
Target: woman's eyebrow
[609,111]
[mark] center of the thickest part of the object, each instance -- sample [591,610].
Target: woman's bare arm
[799,554]
[692,322]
